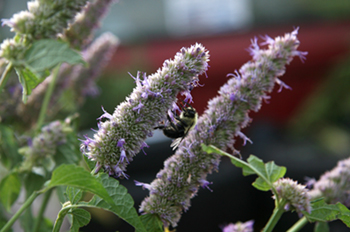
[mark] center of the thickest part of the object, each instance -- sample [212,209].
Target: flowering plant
[52,53]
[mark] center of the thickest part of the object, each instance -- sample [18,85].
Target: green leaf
[10,187]
[72,175]
[152,222]
[8,147]
[81,217]
[28,81]
[68,153]
[73,194]
[268,173]
[123,203]
[47,53]
[324,212]
[89,163]
[321,227]
[33,182]
[345,214]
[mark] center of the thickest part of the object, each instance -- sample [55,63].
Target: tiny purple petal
[105,115]
[244,137]
[144,185]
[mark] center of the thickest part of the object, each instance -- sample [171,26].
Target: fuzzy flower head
[334,185]
[79,33]
[43,19]
[11,50]
[239,227]
[295,194]
[122,135]
[38,155]
[21,23]
[225,116]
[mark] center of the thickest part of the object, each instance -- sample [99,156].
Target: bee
[179,128]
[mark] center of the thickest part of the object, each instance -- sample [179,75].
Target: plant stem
[42,210]
[298,225]
[276,215]
[4,76]
[47,98]
[26,204]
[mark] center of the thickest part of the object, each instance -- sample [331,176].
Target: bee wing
[176,143]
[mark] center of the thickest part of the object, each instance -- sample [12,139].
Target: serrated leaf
[28,81]
[123,203]
[73,194]
[10,187]
[152,222]
[268,173]
[81,217]
[324,212]
[47,53]
[72,175]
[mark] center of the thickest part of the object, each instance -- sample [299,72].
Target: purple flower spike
[239,227]
[334,185]
[224,118]
[121,136]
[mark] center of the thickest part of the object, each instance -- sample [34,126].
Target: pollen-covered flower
[224,118]
[295,194]
[334,185]
[122,134]
[38,155]
[79,33]
[239,227]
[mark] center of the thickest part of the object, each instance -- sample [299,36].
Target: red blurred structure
[325,44]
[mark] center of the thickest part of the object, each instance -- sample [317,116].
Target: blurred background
[306,129]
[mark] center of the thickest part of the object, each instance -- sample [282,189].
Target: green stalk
[26,204]
[4,76]
[276,215]
[298,225]
[47,98]
[42,210]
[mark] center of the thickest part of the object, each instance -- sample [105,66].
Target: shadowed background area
[305,130]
